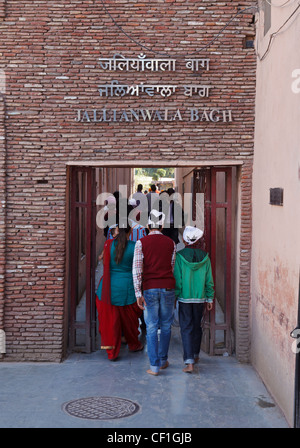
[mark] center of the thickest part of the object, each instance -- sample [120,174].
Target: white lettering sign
[142,63]
[132,115]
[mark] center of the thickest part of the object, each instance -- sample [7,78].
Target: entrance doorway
[218,186]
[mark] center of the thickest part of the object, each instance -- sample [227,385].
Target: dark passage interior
[207,196]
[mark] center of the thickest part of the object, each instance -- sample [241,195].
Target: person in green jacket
[194,288]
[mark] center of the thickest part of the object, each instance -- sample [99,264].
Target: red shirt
[158,252]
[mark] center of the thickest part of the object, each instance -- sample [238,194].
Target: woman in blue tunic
[116,302]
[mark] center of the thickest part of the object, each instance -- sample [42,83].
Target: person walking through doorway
[137,232]
[152,197]
[154,284]
[118,312]
[194,288]
[173,222]
[138,195]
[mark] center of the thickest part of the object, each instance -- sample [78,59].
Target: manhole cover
[101,408]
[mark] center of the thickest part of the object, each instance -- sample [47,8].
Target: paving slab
[222,393]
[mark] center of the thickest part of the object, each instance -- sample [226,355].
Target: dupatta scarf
[106,311]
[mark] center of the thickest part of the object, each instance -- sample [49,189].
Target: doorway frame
[86,204]
[205,181]
[111,163]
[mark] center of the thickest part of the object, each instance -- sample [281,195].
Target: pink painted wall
[276,236]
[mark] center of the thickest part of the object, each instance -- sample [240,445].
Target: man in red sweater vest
[154,283]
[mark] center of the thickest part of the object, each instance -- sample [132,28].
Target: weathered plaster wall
[276,237]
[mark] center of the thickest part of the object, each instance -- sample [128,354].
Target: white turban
[156,218]
[132,202]
[111,203]
[192,234]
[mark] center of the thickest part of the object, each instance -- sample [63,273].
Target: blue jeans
[158,313]
[190,317]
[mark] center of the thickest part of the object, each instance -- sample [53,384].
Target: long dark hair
[121,243]
[124,230]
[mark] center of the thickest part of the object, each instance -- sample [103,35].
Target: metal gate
[216,185]
[82,309]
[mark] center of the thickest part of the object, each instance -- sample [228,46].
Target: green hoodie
[193,275]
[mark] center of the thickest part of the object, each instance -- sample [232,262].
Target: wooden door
[216,185]
[82,309]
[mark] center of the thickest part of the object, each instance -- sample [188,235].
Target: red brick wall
[49,53]
[243,322]
[2,9]
[2,210]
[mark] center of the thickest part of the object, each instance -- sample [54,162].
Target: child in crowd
[194,289]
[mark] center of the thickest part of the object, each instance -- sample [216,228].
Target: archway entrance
[217,184]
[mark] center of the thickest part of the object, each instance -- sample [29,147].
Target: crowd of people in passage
[143,278]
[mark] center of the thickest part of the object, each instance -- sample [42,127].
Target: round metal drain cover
[101,408]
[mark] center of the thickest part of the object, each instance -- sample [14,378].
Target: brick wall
[2,199]
[2,9]
[49,53]
[2,214]
[243,322]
